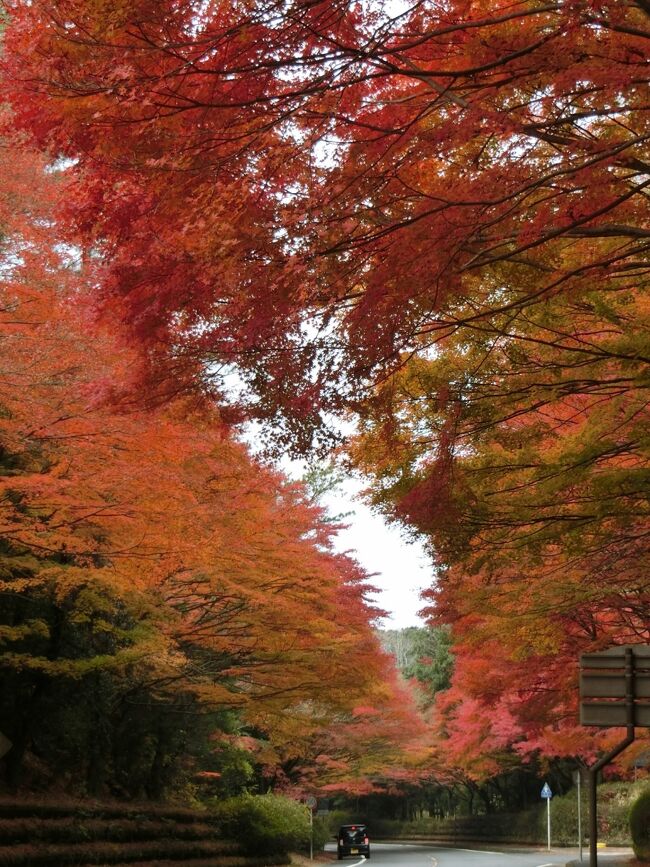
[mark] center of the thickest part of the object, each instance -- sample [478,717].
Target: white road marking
[480,851]
[547,865]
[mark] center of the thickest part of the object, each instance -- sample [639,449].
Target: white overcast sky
[402,567]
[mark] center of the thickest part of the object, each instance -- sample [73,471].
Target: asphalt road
[426,855]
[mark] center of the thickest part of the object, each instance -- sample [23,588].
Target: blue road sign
[546,791]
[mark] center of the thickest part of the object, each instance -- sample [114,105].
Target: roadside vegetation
[622,811]
[640,825]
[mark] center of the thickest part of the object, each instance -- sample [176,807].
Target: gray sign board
[615,686]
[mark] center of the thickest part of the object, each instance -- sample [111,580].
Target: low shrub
[564,818]
[264,824]
[614,803]
[322,833]
[640,826]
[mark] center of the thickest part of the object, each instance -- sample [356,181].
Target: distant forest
[422,654]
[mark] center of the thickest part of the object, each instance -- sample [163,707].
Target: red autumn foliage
[439,221]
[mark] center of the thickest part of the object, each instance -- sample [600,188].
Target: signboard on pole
[613,692]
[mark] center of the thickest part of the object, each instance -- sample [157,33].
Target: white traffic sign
[546,791]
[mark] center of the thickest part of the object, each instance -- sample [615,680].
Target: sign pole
[579,776]
[311,803]
[548,794]
[614,688]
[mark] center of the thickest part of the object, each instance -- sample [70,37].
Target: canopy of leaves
[437,220]
[244,168]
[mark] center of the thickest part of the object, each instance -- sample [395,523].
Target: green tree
[422,653]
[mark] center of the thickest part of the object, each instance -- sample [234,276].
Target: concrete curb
[607,860]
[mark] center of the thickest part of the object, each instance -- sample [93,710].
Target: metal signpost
[578,779]
[614,691]
[311,805]
[548,794]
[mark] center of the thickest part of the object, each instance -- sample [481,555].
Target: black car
[353,840]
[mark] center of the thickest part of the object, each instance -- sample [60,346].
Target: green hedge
[525,827]
[75,829]
[615,801]
[264,824]
[102,852]
[640,826]
[49,834]
[12,808]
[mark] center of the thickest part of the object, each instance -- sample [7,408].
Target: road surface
[437,855]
